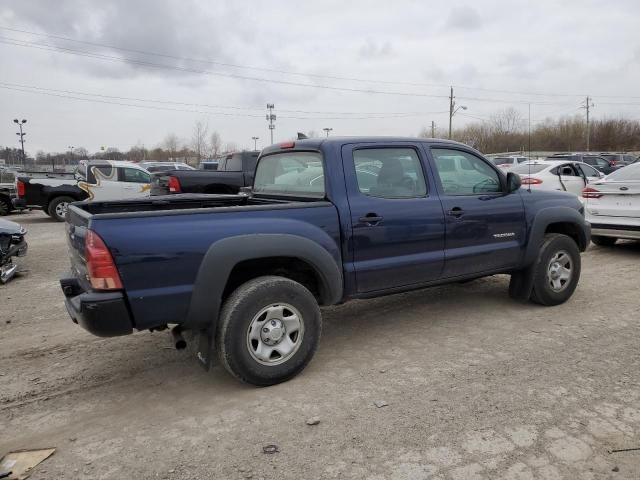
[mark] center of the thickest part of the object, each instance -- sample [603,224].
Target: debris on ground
[313,421]
[270,449]
[380,403]
[19,465]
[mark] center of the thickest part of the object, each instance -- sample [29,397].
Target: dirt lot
[476,385]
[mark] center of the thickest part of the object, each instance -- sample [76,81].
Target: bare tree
[199,139]
[507,121]
[215,144]
[424,133]
[172,145]
[230,147]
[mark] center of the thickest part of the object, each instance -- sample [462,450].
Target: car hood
[10,228]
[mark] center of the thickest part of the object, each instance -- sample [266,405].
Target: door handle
[455,212]
[370,219]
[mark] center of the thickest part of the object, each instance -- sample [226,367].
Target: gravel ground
[476,386]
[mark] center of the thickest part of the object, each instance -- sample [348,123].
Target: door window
[389,172]
[589,171]
[464,174]
[134,176]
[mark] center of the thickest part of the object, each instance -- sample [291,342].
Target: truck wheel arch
[565,220]
[224,255]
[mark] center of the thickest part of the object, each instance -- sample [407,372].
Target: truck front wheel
[268,331]
[557,270]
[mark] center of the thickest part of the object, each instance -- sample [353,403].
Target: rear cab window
[290,173]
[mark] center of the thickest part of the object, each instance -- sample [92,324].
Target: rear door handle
[455,212]
[370,219]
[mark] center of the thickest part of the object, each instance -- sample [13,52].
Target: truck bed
[168,204]
[138,232]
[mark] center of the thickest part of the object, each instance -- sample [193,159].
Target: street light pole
[22,134]
[255,143]
[327,130]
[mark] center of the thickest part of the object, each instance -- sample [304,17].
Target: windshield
[290,173]
[528,168]
[502,160]
[626,174]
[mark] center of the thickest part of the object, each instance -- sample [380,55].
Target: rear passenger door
[485,227]
[570,178]
[397,221]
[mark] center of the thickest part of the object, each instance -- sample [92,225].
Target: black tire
[53,209]
[237,316]
[5,207]
[543,293]
[603,241]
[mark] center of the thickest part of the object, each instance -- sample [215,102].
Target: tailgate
[159,184]
[77,226]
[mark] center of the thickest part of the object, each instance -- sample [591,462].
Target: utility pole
[271,118]
[453,110]
[255,143]
[529,131]
[451,104]
[433,129]
[327,130]
[21,134]
[588,104]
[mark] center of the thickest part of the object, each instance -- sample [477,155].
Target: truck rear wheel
[268,331]
[57,208]
[5,207]
[557,270]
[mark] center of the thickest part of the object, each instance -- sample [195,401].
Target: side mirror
[513,182]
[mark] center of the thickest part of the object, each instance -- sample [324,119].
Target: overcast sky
[494,48]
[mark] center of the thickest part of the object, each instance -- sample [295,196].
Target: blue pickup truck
[326,221]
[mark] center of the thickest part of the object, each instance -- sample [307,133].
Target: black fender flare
[223,255]
[522,280]
[549,216]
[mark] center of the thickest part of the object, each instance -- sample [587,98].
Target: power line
[82,53]
[63,94]
[302,74]
[204,105]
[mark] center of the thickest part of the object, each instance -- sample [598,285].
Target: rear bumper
[19,203]
[104,314]
[631,232]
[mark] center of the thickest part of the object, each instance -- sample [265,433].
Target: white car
[613,206]
[552,175]
[508,162]
[152,167]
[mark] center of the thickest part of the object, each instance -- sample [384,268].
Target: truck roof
[317,143]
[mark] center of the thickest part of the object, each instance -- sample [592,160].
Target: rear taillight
[531,181]
[174,185]
[102,271]
[20,189]
[591,192]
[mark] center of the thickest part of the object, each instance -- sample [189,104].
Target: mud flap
[521,283]
[203,342]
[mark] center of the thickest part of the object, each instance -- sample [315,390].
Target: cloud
[375,50]
[144,26]
[464,18]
